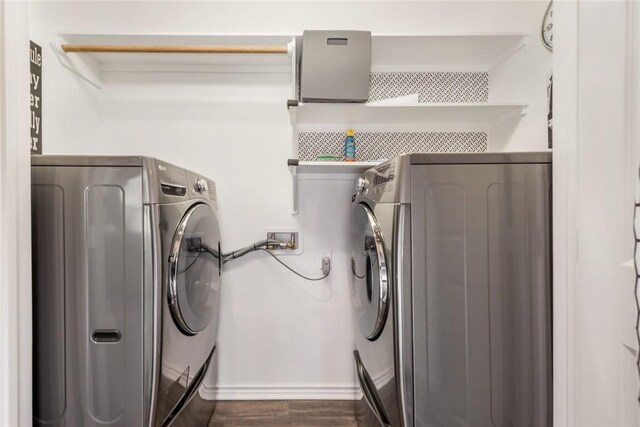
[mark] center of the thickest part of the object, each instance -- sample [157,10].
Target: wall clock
[547,27]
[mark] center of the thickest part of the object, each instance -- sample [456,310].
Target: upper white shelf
[308,115]
[91,66]
[408,53]
[339,168]
[181,61]
[452,52]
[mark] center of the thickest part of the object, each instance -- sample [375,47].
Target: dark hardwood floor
[284,413]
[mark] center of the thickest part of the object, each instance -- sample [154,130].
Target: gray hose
[273,244]
[230,256]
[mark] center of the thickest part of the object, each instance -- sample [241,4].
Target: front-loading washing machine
[451,290]
[126,285]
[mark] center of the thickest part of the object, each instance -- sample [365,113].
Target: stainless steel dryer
[126,282]
[452,290]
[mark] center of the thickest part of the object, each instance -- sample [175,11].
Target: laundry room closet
[282,337]
[360,212]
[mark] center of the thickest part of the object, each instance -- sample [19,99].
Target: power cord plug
[326,265]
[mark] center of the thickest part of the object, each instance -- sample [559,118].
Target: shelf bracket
[291,104]
[522,42]
[293,168]
[85,68]
[510,116]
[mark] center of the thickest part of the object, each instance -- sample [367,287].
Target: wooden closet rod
[261,49]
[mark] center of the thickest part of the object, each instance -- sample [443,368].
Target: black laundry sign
[35,56]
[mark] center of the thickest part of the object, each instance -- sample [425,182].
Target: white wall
[280,336]
[597,166]
[15,217]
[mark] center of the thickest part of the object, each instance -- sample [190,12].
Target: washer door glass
[194,272]
[370,294]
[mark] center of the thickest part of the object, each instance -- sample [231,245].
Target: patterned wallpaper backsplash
[434,87]
[427,87]
[386,145]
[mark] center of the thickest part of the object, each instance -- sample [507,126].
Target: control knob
[201,185]
[363,183]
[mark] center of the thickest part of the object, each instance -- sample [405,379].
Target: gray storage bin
[335,66]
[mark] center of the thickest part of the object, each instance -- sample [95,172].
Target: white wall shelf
[409,53]
[443,52]
[333,168]
[91,66]
[343,115]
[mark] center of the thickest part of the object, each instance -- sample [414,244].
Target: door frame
[565,203]
[15,217]
[566,136]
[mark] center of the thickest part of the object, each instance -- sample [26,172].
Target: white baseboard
[282,392]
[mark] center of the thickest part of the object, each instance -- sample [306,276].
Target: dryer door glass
[194,282]
[369,267]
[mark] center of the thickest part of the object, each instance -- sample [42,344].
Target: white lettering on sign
[35,122]
[34,101]
[35,97]
[35,80]
[35,56]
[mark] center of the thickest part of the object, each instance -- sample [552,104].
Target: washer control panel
[169,183]
[201,187]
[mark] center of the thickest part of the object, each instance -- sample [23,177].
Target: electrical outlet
[326,265]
